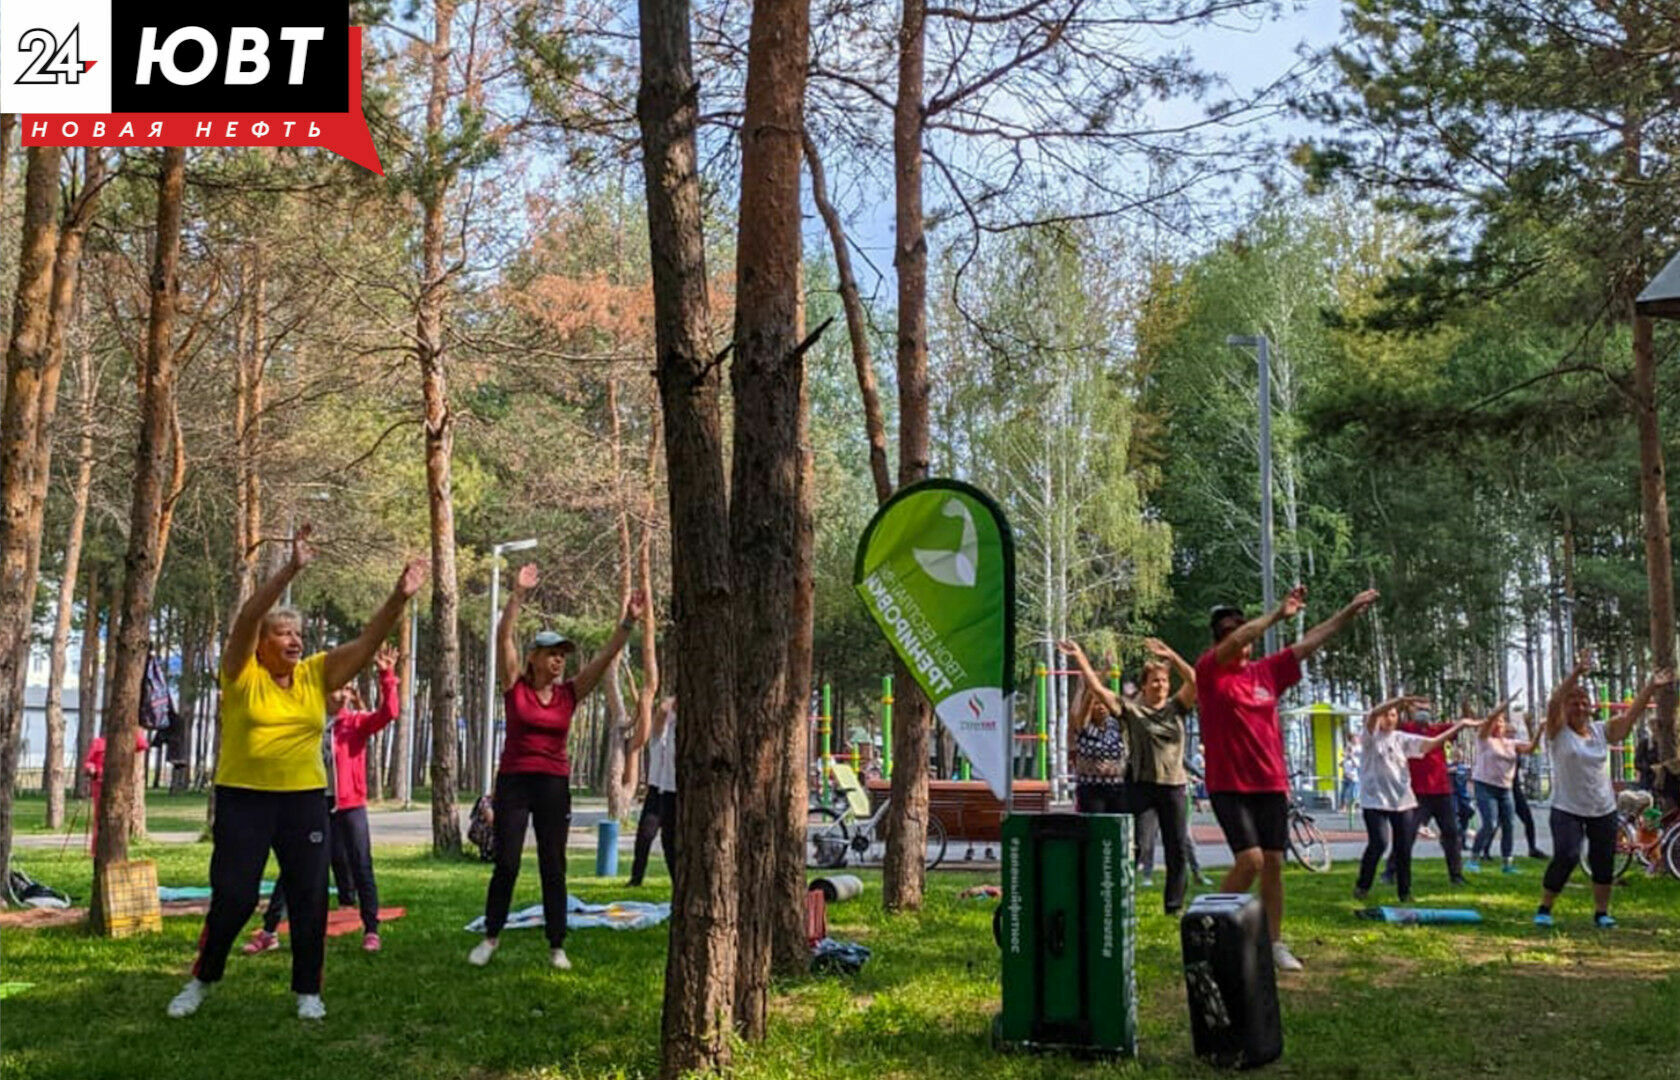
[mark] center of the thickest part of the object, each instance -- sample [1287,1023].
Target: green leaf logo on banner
[936,569]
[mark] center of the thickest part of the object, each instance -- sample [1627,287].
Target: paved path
[414,828]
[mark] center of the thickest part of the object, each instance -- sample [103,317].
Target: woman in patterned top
[1096,749]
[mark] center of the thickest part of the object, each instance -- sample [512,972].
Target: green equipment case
[1068,930]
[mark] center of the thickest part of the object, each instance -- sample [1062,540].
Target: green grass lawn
[164,812]
[1376,1002]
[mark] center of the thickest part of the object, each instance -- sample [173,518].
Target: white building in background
[32,750]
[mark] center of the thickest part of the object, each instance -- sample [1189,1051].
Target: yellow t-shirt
[271,734]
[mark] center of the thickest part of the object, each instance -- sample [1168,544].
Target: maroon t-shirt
[536,732]
[1241,736]
[1429,772]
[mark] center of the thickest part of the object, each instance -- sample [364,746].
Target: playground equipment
[1067,929]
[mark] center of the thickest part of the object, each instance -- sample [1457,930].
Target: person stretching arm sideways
[1247,780]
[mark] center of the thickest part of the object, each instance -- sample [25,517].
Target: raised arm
[645,731]
[1314,639]
[1186,674]
[1617,729]
[385,662]
[1560,693]
[507,649]
[1092,681]
[1254,629]
[597,666]
[242,635]
[343,662]
[1431,744]
[1392,703]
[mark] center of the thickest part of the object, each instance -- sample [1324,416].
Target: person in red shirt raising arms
[533,781]
[1247,780]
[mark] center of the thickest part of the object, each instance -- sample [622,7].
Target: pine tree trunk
[145,552]
[27,357]
[903,872]
[790,956]
[700,960]
[440,441]
[87,695]
[403,790]
[66,301]
[767,511]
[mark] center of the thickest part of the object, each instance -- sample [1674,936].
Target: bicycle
[835,833]
[1307,844]
[1656,846]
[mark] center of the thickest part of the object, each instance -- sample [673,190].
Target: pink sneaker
[262,941]
[370,942]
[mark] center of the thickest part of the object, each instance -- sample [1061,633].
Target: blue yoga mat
[1411,916]
[168,893]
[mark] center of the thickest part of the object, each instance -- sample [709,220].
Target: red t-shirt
[536,733]
[350,734]
[1241,736]
[1429,772]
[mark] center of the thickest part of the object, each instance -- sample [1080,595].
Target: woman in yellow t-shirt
[270,779]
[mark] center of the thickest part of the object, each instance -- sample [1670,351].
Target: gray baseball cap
[551,639]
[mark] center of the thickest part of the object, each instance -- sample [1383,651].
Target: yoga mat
[618,915]
[171,893]
[1408,916]
[348,920]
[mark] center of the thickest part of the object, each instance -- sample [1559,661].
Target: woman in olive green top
[1154,722]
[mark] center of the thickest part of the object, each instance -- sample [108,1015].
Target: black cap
[1220,613]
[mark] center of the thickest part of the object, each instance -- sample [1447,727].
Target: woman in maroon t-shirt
[533,781]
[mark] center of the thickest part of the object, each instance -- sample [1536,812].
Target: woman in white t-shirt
[1385,790]
[659,809]
[1498,756]
[1583,800]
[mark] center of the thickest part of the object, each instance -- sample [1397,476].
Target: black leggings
[1090,798]
[1378,825]
[1441,808]
[352,871]
[659,816]
[1568,830]
[1166,803]
[544,800]
[248,824]
[1524,814]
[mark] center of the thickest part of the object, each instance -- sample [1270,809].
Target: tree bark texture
[768,513]
[117,802]
[66,301]
[903,873]
[440,442]
[700,961]
[27,357]
[87,695]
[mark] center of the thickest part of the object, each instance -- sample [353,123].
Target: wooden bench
[967,808]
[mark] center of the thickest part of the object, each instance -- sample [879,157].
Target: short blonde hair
[280,615]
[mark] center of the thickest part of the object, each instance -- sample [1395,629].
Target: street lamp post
[1268,587]
[487,756]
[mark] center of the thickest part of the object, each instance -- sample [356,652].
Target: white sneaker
[1283,959]
[189,999]
[482,952]
[311,1007]
[558,959]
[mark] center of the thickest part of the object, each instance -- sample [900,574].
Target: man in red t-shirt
[1247,780]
